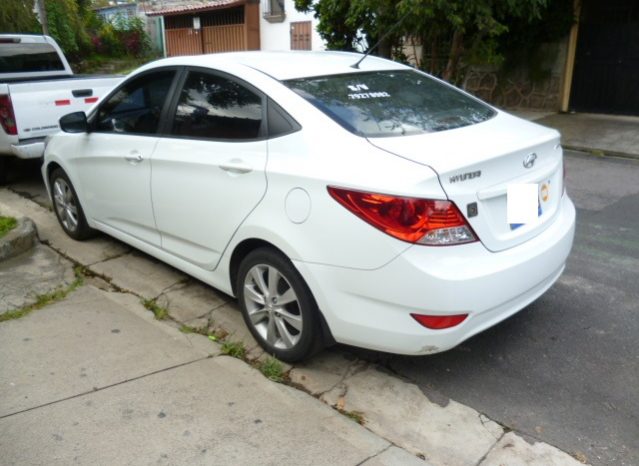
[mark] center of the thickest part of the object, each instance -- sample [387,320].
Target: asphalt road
[566,369]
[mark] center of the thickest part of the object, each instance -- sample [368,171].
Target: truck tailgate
[39,105]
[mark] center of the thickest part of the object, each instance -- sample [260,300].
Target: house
[282,27]
[117,10]
[209,26]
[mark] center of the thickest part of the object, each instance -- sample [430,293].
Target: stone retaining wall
[516,89]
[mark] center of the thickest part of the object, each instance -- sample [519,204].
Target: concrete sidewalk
[609,135]
[94,379]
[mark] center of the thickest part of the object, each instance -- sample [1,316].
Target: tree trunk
[456,48]
[43,17]
[434,55]
[384,48]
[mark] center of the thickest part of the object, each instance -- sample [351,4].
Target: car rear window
[22,58]
[391,103]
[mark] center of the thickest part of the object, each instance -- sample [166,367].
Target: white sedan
[371,205]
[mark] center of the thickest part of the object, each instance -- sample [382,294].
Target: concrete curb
[398,411]
[21,239]
[600,153]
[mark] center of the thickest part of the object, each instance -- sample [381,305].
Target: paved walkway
[94,379]
[598,134]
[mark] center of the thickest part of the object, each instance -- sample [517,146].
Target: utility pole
[42,13]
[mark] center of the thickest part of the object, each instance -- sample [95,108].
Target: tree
[17,16]
[457,30]
[338,25]
[470,27]
[66,25]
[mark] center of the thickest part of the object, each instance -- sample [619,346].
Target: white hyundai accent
[366,205]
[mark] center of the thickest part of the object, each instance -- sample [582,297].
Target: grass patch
[46,299]
[356,416]
[158,311]
[234,348]
[188,329]
[199,330]
[7,224]
[272,369]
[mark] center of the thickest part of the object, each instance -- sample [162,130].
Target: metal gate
[224,30]
[606,72]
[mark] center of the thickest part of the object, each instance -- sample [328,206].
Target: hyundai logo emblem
[529,160]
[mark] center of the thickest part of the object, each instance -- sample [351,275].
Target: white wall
[277,36]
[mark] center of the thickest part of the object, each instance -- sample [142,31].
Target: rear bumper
[30,149]
[372,309]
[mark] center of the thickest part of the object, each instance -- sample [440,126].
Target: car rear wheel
[277,306]
[67,206]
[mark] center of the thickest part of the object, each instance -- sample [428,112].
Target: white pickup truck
[37,87]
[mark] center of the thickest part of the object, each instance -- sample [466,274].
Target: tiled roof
[174,7]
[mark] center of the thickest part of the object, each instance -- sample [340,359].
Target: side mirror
[75,122]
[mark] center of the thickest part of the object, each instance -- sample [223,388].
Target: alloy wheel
[273,306]
[65,204]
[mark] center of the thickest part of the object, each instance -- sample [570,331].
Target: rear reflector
[7,117]
[439,322]
[63,102]
[90,100]
[423,221]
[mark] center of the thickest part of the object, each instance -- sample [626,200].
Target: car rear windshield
[22,58]
[391,103]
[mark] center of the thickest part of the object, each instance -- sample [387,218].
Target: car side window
[280,123]
[215,107]
[136,107]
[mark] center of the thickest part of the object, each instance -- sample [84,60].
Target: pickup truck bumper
[31,149]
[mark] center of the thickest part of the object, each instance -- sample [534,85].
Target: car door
[208,171]
[115,170]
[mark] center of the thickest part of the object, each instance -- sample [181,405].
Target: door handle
[236,166]
[82,92]
[134,158]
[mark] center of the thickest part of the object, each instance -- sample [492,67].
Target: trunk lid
[475,165]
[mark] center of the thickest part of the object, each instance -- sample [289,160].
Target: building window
[273,11]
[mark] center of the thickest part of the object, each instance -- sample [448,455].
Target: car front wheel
[277,306]
[67,206]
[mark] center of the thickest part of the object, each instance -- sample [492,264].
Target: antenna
[368,52]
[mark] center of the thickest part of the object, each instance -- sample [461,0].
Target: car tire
[67,208]
[277,306]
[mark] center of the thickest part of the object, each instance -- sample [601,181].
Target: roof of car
[289,65]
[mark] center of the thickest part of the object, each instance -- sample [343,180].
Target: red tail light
[423,221]
[7,118]
[439,322]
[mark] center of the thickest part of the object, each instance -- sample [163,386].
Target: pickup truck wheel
[67,207]
[277,306]
[4,169]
